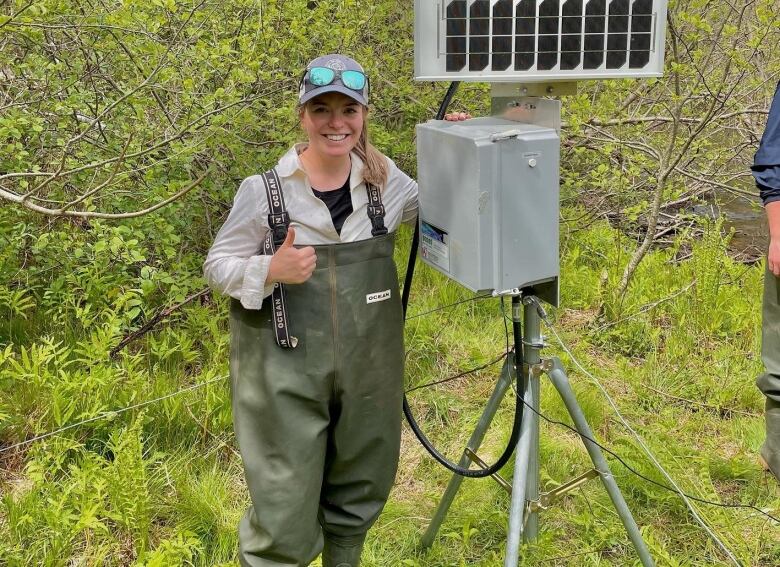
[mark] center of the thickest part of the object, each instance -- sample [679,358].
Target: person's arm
[233,265]
[773,218]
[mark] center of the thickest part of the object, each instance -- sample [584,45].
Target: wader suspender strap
[278,220]
[376,210]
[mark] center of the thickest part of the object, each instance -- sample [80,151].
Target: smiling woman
[317,415]
[333,123]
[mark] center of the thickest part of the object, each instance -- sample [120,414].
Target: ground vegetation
[125,128]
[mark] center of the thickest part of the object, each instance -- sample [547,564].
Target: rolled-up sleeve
[401,184]
[411,206]
[766,163]
[768,182]
[233,265]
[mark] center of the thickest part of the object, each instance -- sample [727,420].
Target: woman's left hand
[457,116]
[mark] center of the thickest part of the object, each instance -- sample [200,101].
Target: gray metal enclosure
[489,203]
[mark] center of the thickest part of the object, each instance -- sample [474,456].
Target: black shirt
[339,203]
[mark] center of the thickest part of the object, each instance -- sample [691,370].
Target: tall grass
[162,485]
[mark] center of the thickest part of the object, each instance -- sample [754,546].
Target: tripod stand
[526,502]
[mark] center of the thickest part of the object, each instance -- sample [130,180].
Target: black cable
[626,465]
[461,375]
[516,424]
[518,359]
[646,478]
[506,329]
[520,401]
[475,298]
[574,430]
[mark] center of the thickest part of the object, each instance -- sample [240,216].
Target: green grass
[163,485]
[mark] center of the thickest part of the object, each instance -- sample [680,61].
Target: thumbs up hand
[291,265]
[289,240]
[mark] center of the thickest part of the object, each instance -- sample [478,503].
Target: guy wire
[501,357]
[677,490]
[440,308]
[626,465]
[674,488]
[110,414]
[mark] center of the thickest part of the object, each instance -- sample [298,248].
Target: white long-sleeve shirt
[233,265]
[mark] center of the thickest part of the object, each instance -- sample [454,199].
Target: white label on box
[435,246]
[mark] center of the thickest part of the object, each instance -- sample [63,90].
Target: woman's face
[333,123]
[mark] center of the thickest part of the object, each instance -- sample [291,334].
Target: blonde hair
[374,162]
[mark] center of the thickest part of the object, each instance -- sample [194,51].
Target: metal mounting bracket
[548,498]
[497,477]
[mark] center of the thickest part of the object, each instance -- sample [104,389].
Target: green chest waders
[319,425]
[769,382]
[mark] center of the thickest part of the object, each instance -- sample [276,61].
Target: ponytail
[374,163]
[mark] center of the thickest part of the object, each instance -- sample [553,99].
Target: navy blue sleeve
[769,149]
[768,193]
[766,164]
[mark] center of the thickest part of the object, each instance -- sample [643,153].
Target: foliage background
[108,109]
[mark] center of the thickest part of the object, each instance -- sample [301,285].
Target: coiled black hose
[518,357]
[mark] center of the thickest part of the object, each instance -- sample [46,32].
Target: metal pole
[524,525]
[532,347]
[561,382]
[520,479]
[505,380]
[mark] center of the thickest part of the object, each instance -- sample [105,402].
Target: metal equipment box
[489,203]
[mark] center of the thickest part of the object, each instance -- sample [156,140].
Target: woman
[317,368]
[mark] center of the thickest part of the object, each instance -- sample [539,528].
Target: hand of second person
[290,265]
[457,116]
[773,257]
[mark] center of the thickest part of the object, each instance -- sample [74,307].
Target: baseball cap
[338,64]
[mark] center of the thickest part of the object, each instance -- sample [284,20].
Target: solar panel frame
[547,40]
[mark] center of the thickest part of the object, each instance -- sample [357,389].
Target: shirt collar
[290,164]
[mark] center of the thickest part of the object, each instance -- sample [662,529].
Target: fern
[127,486]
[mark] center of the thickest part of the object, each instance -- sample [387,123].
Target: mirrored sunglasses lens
[354,80]
[321,76]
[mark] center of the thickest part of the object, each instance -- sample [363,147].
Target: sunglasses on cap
[322,76]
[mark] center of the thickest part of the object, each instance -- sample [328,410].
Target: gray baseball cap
[312,81]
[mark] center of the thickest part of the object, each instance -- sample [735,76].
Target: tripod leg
[520,482]
[505,380]
[561,382]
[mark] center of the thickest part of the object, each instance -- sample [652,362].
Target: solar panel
[527,40]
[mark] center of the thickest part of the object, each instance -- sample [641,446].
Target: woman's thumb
[289,240]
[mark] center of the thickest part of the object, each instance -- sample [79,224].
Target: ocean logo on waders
[279,312]
[276,195]
[378,296]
